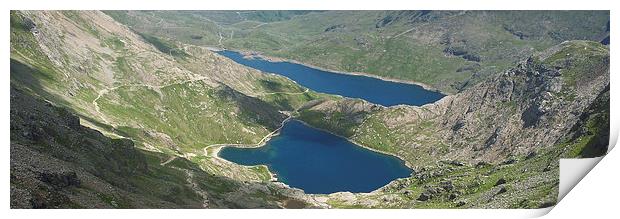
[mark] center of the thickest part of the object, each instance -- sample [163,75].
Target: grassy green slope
[179,103]
[449,50]
[137,87]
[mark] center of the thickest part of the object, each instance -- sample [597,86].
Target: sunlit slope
[450,50]
[170,96]
[168,100]
[497,144]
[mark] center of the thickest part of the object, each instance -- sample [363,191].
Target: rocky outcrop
[526,108]
[53,155]
[512,126]
[495,145]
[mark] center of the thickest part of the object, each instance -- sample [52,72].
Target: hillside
[118,82]
[448,50]
[514,127]
[57,163]
[103,116]
[132,87]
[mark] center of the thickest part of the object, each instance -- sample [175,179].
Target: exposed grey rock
[60,179]
[424,197]
[500,181]
[334,27]
[446,185]
[453,196]
[501,190]
[530,155]
[508,161]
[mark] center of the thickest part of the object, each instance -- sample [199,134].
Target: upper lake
[386,93]
[319,162]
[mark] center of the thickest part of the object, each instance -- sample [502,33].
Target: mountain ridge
[133,86]
[449,50]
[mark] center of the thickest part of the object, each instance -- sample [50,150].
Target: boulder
[60,179]
[424,197]
[502,190]
[500,181]
[446,185]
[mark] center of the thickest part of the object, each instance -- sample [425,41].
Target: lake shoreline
[272,176]
[360,145]
[277,132]
[256,54]
[262,142]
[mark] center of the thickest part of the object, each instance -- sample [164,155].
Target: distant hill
[106,115]
[450,50]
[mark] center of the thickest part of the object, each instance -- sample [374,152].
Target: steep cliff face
[57,163]
[526,108]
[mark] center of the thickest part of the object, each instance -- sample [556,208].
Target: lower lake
[386,93]
[319,162]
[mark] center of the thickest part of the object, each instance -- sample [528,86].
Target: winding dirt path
[260,143]
[190,175]
[99,95]
[219,42]
[107,90]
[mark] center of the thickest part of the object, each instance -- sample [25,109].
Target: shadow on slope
[57,163]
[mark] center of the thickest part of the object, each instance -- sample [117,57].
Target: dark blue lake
[319,162]
[386,93]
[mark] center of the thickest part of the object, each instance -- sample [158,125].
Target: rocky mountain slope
[536,104]
[448,50]
[171,100]
[58,163]
[162,108]
[133,86]
[551,105]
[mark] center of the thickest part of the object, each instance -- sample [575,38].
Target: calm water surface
[386,93]
[319,162]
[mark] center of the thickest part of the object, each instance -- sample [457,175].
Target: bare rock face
[57,163]
[60,179]
[516,126]
[528,107]
[59,132]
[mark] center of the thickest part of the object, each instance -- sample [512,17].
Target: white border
[595,196]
